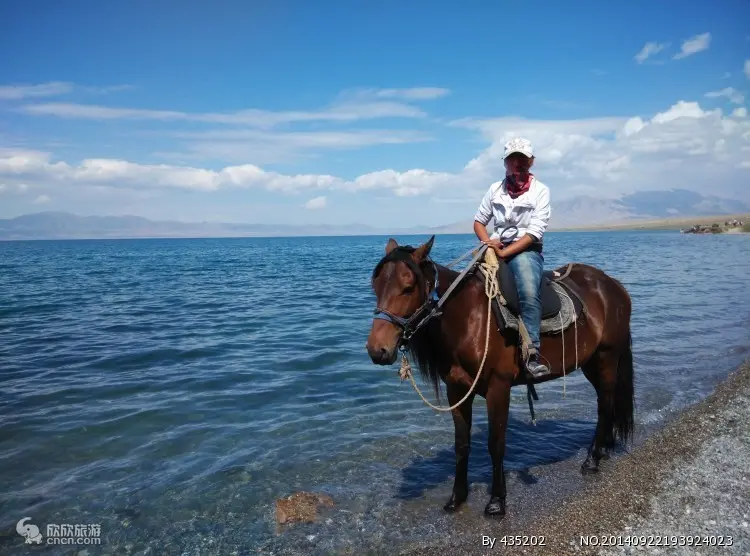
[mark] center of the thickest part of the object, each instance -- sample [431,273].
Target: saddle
[561,305]
[551,303]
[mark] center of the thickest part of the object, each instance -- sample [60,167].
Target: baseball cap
[518,145]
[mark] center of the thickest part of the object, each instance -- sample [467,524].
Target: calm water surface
[171,390]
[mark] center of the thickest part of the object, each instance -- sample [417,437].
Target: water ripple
[195,381]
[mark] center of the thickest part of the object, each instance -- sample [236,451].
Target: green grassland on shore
[663,223]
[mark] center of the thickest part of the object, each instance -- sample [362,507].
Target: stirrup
[542,369]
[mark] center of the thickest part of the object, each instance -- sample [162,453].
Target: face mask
[517,171]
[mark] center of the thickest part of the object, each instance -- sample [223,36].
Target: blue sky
[374,112]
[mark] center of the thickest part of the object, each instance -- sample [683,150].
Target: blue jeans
[527,268]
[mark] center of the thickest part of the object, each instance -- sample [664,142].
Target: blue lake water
[172,390]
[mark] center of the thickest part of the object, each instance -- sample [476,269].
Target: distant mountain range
[587,211]
[579,212]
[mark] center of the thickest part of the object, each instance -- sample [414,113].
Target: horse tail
[624,402]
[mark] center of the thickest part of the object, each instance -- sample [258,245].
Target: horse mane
[425,345]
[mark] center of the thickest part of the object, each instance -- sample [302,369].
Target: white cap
[518,145]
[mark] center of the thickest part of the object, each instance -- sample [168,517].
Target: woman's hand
[495,244]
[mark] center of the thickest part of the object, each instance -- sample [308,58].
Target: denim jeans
[527,268]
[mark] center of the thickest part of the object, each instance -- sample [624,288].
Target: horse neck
[454,307]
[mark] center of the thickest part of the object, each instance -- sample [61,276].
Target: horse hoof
[454,503]
[495,507]
[588,468]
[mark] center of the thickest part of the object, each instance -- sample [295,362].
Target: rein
[432,304]
[491,287]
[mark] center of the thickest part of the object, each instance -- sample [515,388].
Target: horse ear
[421,252]
[391,246]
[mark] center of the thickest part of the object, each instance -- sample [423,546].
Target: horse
[449,346]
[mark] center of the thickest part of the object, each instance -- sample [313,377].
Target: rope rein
[490,266]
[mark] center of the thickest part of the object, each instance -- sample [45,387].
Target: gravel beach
[684,490]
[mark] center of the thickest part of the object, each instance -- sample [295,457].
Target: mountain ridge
[583,212]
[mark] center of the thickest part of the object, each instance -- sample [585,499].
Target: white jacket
[529,212]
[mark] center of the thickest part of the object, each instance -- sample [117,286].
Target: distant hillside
[63,225]
[588,211]
[642,205]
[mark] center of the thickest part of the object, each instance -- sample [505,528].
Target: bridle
[428,310]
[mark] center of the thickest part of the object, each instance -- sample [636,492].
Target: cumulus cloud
[39,167]
[316,203]
[648,50]
[731,93]
[693,45]
[682,146]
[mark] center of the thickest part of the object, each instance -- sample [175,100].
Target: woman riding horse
[521,209]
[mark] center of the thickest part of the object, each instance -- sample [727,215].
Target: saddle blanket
[570,312]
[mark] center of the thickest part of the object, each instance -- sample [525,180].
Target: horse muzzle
[381,355]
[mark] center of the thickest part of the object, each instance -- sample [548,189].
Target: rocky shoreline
[688,483]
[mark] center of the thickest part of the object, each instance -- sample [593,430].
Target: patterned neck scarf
[518,183]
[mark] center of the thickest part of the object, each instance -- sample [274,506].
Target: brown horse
[449,346]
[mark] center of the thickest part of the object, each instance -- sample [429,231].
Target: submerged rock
[300,507]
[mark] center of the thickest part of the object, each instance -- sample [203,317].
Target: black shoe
[535,368]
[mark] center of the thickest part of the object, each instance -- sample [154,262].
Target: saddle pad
[570,311]
[551,304]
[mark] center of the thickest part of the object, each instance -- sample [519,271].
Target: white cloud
[730,92]
[37,166]
[681,110]
[263,146]
[693,45]
[740,112]
[14,92]
[256,118]
[349,107]
[316,203]
[648,50]
[53,88]
[746,68]
[415,93]
[42,199]
[682,146]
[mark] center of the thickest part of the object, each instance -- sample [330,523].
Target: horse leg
[498,404]
[601,372]
[462,426]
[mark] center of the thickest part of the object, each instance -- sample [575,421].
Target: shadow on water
[527,446]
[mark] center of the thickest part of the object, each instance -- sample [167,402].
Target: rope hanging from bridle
[490,266]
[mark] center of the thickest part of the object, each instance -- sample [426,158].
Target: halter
[430,305]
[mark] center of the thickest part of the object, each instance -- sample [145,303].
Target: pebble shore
[688,483]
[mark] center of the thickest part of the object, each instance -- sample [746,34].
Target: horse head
[401,289]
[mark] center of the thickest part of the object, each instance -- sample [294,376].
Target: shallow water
[171,390]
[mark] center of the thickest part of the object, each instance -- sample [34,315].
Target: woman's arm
[482,218]
[481,231]
[516,247]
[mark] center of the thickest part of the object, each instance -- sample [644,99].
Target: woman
[520,206]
